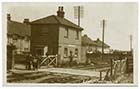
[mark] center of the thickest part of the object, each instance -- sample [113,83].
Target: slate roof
[56,20]
[18,28]
[88,41]
[99,43]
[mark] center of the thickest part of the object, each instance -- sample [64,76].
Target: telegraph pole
[131,43]
[78,13]
[103,39]
[79,16]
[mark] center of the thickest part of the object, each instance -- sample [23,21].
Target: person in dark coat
[71,58]
[28,61]
[35,62]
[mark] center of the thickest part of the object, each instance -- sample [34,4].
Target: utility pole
[78,13]
[103,38]
[79,16]
[131,49]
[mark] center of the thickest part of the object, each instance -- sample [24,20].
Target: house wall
[106,50]
[44,35]
[85,48]
[71,43]
[21,45]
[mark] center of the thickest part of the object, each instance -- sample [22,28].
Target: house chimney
[8,17]
[85,35]
[60,12]
[98,39]
[26,21]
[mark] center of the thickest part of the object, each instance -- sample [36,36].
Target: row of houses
[52,35]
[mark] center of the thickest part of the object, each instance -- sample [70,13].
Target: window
[25,49]
[65,52]
[66,32]
[77,35]
[76,52]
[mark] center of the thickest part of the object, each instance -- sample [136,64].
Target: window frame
[65,52]
[66,32]
[77,35]
[76,52]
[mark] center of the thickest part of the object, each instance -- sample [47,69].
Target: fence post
[56,59]
[13,59]
[100,75]
[111,65]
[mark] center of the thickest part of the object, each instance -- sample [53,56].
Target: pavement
[89,73]
[54,75]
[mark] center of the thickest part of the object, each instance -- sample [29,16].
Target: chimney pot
[59,8]
[98,39]
[26,21]
[62,8]
[8,17]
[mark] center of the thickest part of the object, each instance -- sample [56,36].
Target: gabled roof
[99,43]
[56,20]
[18,28]
[88,41]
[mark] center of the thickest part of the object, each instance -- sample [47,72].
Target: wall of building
[44,35]
[94,48]
[21,44]
[106,50]
[70,42]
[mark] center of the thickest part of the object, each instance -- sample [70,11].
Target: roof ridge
[56,19]
[42,18]
[16,22]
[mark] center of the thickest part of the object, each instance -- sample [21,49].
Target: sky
[120,19]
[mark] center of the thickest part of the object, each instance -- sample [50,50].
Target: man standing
[89,56]
[71,58]
[28,61]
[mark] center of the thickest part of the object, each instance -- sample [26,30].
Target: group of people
[32,62]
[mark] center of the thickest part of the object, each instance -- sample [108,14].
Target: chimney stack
[60,12]
[98,39]
[26,21]
[8,17]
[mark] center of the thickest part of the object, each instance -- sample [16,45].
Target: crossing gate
[50,60]
[119,67]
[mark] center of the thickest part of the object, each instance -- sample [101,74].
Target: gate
[50,60]
[119,67]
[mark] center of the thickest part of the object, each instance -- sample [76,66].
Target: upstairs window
[77,35]
[66,33]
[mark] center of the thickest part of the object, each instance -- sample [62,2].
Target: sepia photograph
[70,43]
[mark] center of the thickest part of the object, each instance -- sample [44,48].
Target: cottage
[92,46]
[56,35]
[18,34]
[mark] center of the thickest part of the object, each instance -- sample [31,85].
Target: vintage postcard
[84,44]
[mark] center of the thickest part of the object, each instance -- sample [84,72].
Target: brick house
[18,34]
[57,35]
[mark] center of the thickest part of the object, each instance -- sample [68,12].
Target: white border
[3,51]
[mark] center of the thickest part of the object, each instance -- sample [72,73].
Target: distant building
[99,46]
[57,35]
[94,46]
[18,34]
